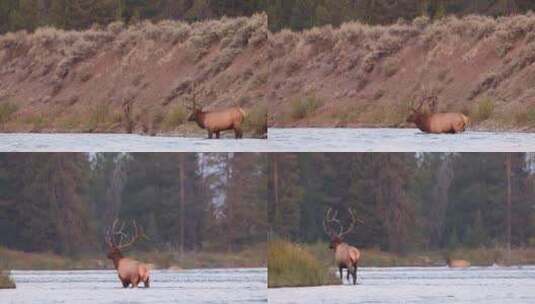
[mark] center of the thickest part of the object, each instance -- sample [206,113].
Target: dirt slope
[66,81]
[359,75]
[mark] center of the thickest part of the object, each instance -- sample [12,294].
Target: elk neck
[116,259]
[199,119]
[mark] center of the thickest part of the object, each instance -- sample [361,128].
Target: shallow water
[102,286]
[395,140]
[487,285]
[84,142]
[280,140]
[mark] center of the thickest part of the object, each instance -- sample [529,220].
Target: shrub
[5,280]
[302,108]
[100,113]
[290,265]
[391,67]
[256,120]
[483,109]
[175,117]
[6,110]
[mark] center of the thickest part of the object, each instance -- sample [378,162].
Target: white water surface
[396,140]
[485,285]
[279,140]
[102,286]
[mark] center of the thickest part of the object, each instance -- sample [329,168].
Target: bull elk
[345,256]
[216,121]
[130,271]
[437,122]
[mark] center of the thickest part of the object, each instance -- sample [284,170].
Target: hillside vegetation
[362,75]
[141,77]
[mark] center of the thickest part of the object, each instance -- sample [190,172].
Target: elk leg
[125,284]
[355,274]
[135,283]
[210,134]
[217,134]
[349,271]
[341,273]
[147,283]
[238,133]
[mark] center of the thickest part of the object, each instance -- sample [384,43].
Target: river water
[103,286]
[280,140]
[485,285]
[396,140]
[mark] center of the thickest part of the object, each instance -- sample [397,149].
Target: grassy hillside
[361,75]
[68,81]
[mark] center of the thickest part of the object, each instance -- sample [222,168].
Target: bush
[302,108]
[5,280]
[290,265]
[175,117]
[6,110]
[256,120]
[483,109]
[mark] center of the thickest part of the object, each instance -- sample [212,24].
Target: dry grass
[256,121]
[483,110]
[7,109]
[304,107]
[175,117]
[5,280]
[291,265]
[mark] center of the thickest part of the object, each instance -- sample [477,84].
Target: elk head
[194,110]
[337,236]
[416,112]
[117,239]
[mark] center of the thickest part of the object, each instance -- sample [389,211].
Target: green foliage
[304,107]
[483,109]
[175,117]
[6,110]
[291,265]
[5,280]
[256,120]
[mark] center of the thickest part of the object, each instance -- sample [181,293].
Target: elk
[220,120]
[437,122]
[130,271]
[345,256]
[458,263]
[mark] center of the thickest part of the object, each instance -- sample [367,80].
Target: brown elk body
[131,272]
[458,263]
[345,256]
[216,121]
[437,122]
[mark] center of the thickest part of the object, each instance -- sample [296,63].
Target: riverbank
[476,256]
[139,78]
[247,258]
[363,75]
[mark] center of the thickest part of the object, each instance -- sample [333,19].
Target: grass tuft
[7,109]
[303,108]
[483,109]
[291,265]
[175,117]
[256,121]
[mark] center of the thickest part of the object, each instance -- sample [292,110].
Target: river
[103,286]
[485,285]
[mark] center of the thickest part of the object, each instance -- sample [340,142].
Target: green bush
[483,109]
[6,110]
[290,265]
[175,117]
[302,108]
[256,121]
[5,280]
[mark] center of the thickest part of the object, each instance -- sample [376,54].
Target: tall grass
[483,109]
[5,280]
[175,117]
[256,120]
[291,265]
[6,110]
[304,107]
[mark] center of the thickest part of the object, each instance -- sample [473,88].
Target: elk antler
[113,233]
[332,218]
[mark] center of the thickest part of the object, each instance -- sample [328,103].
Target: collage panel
[296,151]
[401,228]
[87,228]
